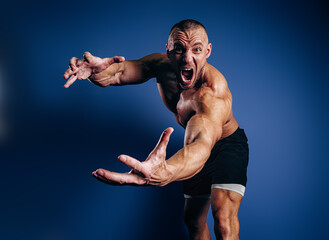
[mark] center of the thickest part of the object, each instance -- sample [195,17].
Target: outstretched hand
[153,171]
[84,68]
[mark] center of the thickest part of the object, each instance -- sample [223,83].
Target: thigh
[196,209]
[225,206]
[225,203]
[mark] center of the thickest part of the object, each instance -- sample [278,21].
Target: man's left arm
[203,130]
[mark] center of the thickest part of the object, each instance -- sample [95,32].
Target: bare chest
[186,106]
[181,103]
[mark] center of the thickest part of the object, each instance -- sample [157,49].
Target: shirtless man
[213,161]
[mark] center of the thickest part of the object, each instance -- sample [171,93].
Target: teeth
[187,69]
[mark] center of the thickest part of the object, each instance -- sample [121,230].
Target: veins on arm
[203,130]
[128,72]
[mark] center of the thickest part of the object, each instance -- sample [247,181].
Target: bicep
[201,129]
[206,125]
[134,72]
[141,70]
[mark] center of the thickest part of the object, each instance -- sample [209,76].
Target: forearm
[123,73]
[201,135]
[188,161]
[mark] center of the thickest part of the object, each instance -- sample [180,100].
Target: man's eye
[178,50]
[197,50]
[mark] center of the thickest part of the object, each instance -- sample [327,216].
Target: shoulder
[214,85]
[156,63]
[155,59]
[214,96]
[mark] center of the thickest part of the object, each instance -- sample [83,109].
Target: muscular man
[213,161]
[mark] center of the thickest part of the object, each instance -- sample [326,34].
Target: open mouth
[187,74]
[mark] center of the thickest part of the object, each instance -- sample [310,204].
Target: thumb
[116,59]
[158,154]
[164,139]
[88,56]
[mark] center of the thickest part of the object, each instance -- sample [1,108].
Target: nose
[187,57]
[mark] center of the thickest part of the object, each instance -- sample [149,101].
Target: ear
[209,48]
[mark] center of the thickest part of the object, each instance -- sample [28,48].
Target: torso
[179,101]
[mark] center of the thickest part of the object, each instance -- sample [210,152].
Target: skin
[198,95]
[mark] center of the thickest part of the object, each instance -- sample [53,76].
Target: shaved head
[188,49]
[187,24]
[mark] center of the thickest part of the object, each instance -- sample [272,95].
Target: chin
[186,85]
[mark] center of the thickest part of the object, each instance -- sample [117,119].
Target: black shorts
[227,164]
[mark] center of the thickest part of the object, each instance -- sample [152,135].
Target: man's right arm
[127,72]
[112,71]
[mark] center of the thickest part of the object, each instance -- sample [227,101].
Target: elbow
[198,169]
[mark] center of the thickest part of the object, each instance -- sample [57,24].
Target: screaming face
[188,52]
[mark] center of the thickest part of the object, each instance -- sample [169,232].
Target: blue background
[274,55]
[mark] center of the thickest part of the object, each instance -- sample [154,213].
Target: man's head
[188,49]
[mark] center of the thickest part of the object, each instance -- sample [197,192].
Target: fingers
[115,59]
[114,178]
[73,67]
[88,56]
[164,139]
[71,80]
[75,63]
[134,164]
[78,65]
[69,72]
[158,154]
[118,59]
